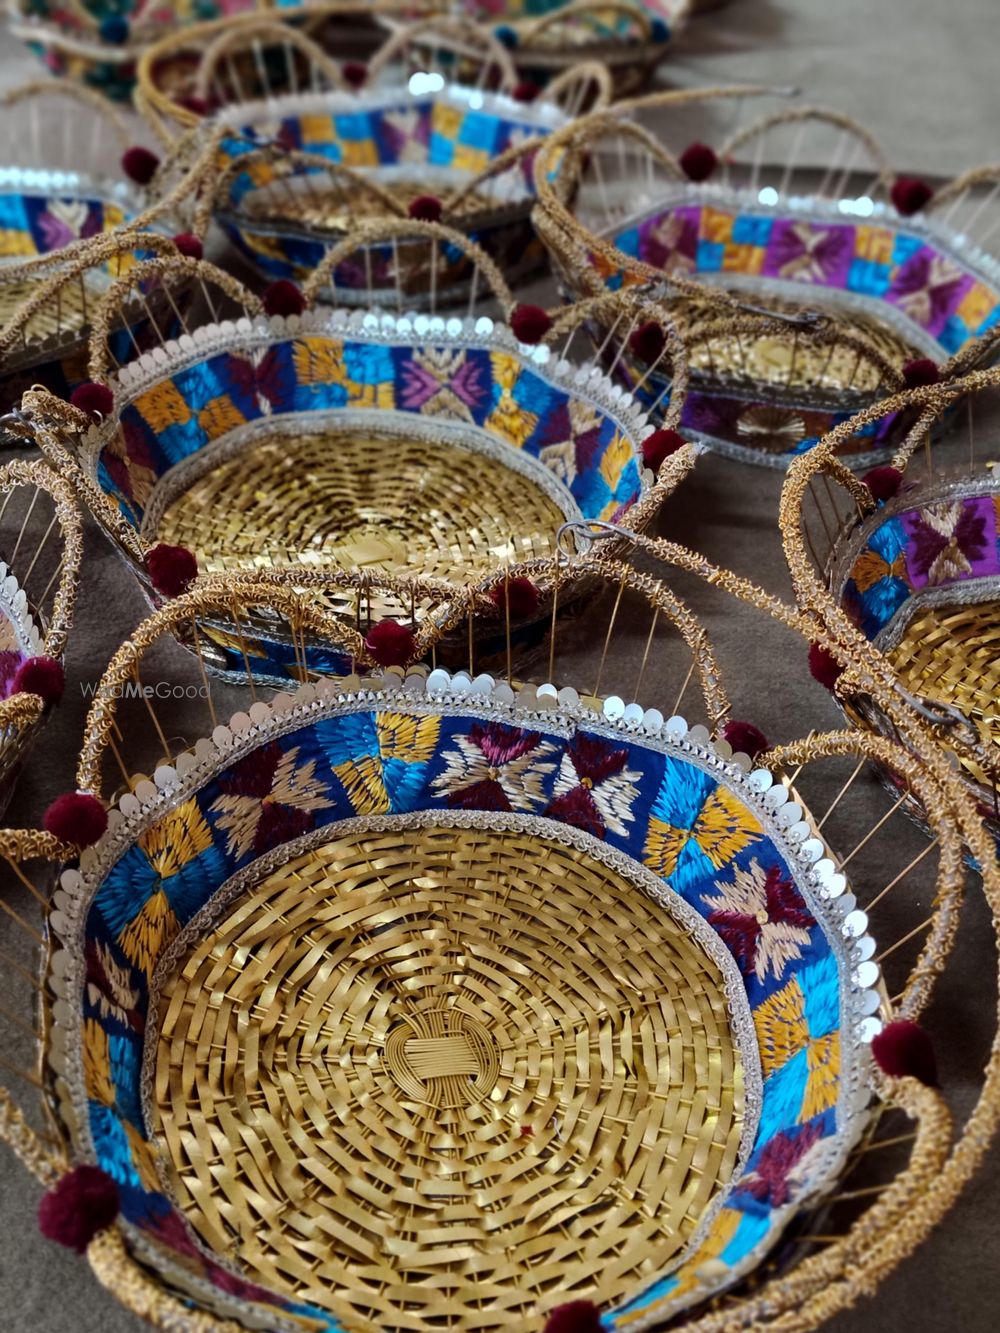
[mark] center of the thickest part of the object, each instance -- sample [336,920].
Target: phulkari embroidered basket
[300,156]
[913,570]
[41,543]
[389,443]
[429,999]
[833,284]
[545,37]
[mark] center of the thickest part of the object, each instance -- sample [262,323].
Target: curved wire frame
[828,519]
[41,546]
[901,1180]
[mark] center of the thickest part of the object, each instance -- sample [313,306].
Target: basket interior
[453,941]
[375,446]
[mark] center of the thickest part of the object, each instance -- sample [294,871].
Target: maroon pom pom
[904,1050]
[658,447]
[355,72]
[189,245]
[42,676]
[76,818]
[909,195]
[139,164]
[425,208]
[698,161]
[284,298]
[648,342]
[745,738]
[77,1207]
[171,569]
[390,644]
[525,91]
[530,323]
[198,105]
[823,666]
[574,1317]
[883,482]
[96,400]
[921,371]
[518,593]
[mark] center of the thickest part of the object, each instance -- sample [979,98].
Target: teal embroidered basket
[405,445]
[822,288]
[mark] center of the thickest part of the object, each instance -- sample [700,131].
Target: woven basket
[915,575]
[339,966]
[298,157]
[384,443]
[830,291]
[38,579]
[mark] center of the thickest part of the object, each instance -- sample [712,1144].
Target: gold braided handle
[528,31]
[289,164]
[804,115]
[568,89]
[74,262]
[250,34]
[987,174]
[87,98]
[463,35]
[166,270]
[25,472]
[372,233]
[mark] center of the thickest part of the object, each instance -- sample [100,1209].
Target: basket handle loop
[288,164]
[165,270]
[568,89]
[408,229]
[460,33]
[251,34]
[87,98]
[803,115]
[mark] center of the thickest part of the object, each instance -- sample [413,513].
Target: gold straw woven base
[446,1078]
[393,505]
[951,655]
[66,317]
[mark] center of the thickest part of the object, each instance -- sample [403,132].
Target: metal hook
[587,531]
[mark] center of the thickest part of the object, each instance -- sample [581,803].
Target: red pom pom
[84,1202]
[530,323]
[390,644]
[171,569]
[823,666]
[698,161]
[648,342]
[76,818]
[198,105]
[425,208]
[355,72]
[909,195]
[520,594]
[745,738]
[189,245]
[284,298]
[42,676]
[658,447]
[921,371]
[904,1050]
[96,400]
[883,482]
[525,91]
[574,1317]
[139,164]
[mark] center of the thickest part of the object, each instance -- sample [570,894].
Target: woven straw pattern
[316,500]
[952,655]
[479,1064]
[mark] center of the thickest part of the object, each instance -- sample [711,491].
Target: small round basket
[395,444]
[41,543]
[300,152]
[522,970]
[830,286]
[912,572]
